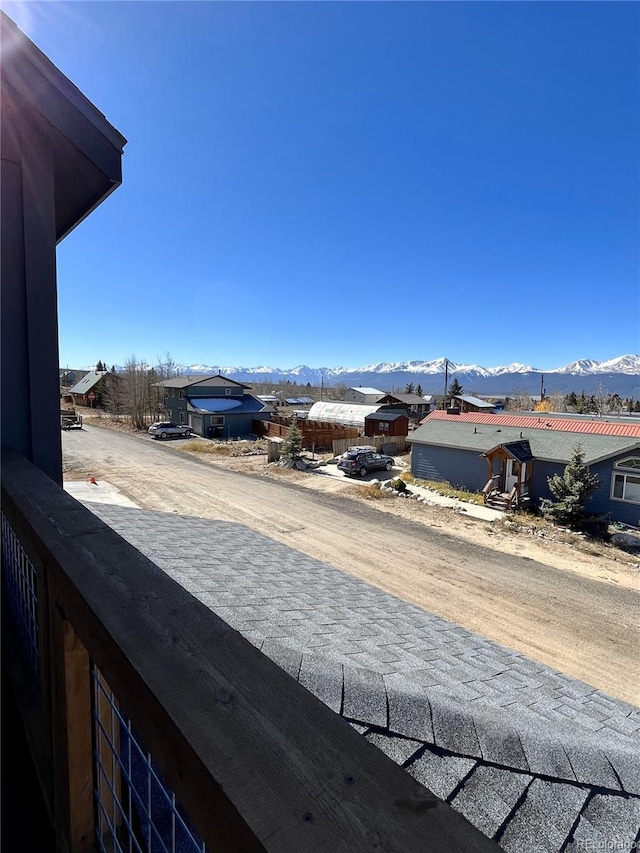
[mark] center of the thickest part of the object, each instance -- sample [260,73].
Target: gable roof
[367,391]
[518,450]
[186,381]
[474,401]
[542,421]
[408,399]
[88,382]
[550,445]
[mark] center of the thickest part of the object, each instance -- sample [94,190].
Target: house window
[383,426]
[626,487]
[217,420]
[181,393]
[227,390]
[183,417]
[632,462]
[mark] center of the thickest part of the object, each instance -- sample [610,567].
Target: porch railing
[154,726]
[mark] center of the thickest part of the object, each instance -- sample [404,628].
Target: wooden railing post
[72,741]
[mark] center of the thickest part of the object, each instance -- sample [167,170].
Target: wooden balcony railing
[151,720]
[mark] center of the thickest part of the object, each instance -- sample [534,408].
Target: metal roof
[546,444]
[299,401]
[474,401]
[366,390]
[88,382]
[595,427]
[217,405]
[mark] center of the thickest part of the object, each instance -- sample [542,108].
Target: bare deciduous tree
[519,400]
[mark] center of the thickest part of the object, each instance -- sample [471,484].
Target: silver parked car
[166,428]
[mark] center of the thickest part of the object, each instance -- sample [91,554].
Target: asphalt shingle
[544,820]
[488,797]
[455,702]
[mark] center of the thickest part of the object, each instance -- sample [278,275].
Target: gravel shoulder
[572,610]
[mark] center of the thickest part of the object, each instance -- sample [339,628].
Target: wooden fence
[340,445]
[315,434]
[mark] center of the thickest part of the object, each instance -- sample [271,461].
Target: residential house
[511,456]
[416,407]
[364,395]
[468,403]
[92,383]
[68,378]
[213,406]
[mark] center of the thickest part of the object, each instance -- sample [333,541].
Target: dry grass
[445,489]
[235,448]
[368,492]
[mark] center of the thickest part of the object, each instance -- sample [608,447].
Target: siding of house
[468,469]
[234,425]
[600,502]
[458,467]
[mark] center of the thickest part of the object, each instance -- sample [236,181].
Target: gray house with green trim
[213,406]
[458,448]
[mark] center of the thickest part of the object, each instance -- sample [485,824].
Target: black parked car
[360,462]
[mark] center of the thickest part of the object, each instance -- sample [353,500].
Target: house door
[511,474]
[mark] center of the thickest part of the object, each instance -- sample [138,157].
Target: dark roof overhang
[39,102]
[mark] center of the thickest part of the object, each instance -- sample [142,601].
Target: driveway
[584,628]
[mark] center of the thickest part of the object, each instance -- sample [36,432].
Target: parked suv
[359,462]
[166,428]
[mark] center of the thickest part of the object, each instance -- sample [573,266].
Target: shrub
[398,485]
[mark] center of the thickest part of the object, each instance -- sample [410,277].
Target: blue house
[510,457]
[213,406]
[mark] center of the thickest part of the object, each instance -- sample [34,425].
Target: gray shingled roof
[184,381]
[536,759]
[88,382]
[549,445]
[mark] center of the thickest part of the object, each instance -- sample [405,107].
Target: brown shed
[386,423]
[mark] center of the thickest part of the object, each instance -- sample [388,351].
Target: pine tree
[292,445]
[99,366]
[419,390]
[409,388]
[571,492]
[455,389]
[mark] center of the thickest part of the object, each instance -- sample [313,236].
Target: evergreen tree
[292,445]
[419,390]
[571,492]
[455,389]
[409,388]
[99,366]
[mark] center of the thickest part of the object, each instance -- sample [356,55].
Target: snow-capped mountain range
[617,375]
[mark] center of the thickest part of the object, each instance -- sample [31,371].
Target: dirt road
[587,629]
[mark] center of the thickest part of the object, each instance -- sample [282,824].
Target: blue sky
[346,183]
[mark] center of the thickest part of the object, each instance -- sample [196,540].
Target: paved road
[584,628]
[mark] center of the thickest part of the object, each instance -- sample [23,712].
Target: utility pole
[542,387]
[446,382]
[321,387]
